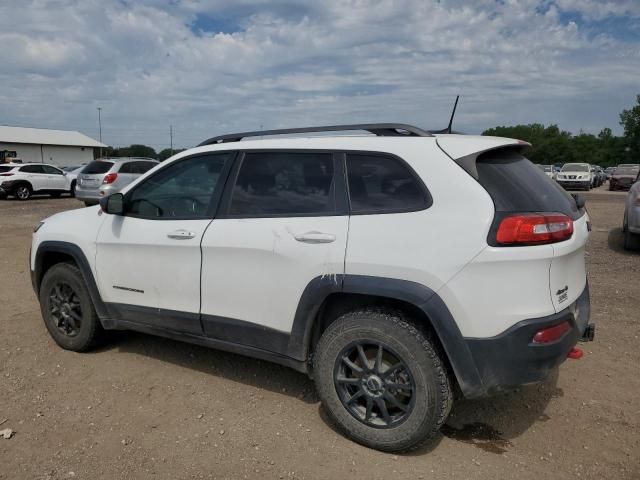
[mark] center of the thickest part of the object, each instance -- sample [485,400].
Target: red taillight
[534,229]
[110,178]
[551,334]
[5,174]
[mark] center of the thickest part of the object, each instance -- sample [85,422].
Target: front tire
[631,240]
[381,380]
[67,309]
[72,190]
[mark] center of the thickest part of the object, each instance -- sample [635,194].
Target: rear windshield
[98,166]
[575,167]
[516,185]
[627,171]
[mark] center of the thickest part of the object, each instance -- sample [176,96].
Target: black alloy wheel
[374,384]
[65,309]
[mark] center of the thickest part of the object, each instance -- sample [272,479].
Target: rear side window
[127,168]
[32,169]
[284,184]
[96,167]
[143,167]
[381,184]
[4,168]
[516,185]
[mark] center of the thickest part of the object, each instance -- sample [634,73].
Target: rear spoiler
[466,150]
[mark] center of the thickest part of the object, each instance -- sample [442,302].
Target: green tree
[630,120]
[167,152]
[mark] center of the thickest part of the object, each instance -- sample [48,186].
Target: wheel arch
[326,298]
[51,253]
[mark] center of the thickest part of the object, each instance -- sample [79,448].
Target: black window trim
[341,200]
[214,204]
[428,199]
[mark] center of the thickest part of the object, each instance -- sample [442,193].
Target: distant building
[57,147]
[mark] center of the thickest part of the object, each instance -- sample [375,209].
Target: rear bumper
[511,359]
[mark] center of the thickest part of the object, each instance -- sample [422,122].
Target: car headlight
[37,227]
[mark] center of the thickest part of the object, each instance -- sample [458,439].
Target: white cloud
[285,63]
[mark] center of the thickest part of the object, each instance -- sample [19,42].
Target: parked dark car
[623,177]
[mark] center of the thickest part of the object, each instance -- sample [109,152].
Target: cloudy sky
[216,66]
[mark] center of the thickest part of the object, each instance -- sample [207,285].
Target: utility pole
[100,128]
[171,138]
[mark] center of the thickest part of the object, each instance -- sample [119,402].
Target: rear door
[517,186]
[91,176]
[148,260]
[35,176]
[283,224]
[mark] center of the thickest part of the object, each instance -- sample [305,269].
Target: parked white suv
[393,268]
[23,180]
[576,175]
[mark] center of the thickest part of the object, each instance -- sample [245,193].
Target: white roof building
[57,147]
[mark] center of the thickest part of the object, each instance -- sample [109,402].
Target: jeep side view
[394,267]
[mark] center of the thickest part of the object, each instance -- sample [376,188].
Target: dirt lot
[145,407]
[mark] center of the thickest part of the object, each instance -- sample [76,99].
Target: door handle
[315,237]
[181,235]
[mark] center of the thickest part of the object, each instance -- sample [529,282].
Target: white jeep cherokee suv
[394,268]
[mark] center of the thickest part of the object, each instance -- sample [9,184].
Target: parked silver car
[105,176]
[631,222]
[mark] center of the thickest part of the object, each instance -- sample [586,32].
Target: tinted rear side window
[516,185]
[284,184]
[97,167]
[32,169]
[380,184]
[4,168]
[143,167]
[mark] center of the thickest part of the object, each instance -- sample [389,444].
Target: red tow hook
[575,353]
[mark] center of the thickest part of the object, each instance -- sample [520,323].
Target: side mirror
[580,202]
[113,204]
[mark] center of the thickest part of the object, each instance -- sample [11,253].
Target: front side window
[381,184]
[284,184]
[51,170]
[183,189]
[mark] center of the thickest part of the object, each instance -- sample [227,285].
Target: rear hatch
[91,176]
[517,186]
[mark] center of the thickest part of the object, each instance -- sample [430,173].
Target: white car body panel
[255,270]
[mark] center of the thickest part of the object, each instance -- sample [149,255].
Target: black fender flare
[420,296]
[80,259]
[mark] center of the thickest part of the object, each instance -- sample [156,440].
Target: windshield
[575,167]
[98,166]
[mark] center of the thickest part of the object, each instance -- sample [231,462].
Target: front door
[148,260]
[282,223]
[56,179]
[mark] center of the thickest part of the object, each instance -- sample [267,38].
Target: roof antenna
[448,130]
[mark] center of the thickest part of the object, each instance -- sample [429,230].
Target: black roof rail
[379,129]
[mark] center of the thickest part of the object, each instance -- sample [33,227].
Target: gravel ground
[145,407]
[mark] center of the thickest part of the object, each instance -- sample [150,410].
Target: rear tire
[22,192]
[72,190]
[416,396]
[67,309]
